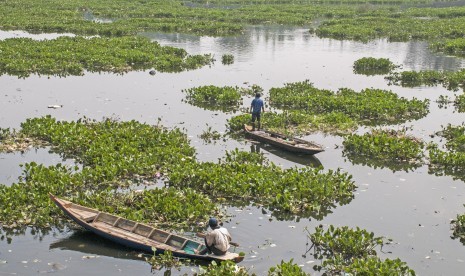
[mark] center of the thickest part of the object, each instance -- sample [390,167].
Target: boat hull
[294,145]
[145,244]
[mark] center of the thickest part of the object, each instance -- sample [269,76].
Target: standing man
[217,240]
[256,108]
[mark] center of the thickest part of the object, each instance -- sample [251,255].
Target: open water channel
[413,208]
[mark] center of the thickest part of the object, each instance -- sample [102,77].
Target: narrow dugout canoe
[136,235]
[279,140]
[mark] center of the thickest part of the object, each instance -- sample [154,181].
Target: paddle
[202,235]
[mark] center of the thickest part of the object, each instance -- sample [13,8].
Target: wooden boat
[137,235]
[279,140]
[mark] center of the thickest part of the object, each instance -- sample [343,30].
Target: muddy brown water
[413,208]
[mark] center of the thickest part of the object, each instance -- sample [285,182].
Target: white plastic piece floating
[55,106]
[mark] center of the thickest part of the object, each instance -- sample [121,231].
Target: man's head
[257,95]
[213,223]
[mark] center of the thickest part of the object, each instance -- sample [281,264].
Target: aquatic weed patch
[449,80]
[242,176]
[458,228]
[454,46]
[369,106]
[164,207]
[66,56]
[450,161]
[210,135]
[297,122]
[397,25]
[348,250]
[286,268]
[227,59]
[373,66]
[227,98]
[385,148]
[111,149]
[110,153]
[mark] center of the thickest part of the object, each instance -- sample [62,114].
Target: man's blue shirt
[257,105]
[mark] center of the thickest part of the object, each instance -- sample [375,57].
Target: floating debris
[55,106]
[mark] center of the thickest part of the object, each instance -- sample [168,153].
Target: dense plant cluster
[110,153]
[296,122]
[304,105]
[346,250]
[373,66]
[227,59]
[449,80]
[454,46]
[113,154]
[452,160]
[246,177]
[442,25]
[73,55]
[212,97]
[210,135]
[306,108]
[394,149]
[367,105]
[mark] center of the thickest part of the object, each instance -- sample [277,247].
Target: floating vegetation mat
[227,59]
[249,177]
[373,66]
[227,98]
[385,148]
[454,46]
[114,153]
[66,56]
[452,160]
[449,80]
[305,108]
[353,251]
[111,153]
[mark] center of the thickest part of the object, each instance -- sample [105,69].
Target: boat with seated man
[136,235]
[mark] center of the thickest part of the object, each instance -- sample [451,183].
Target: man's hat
[213,222]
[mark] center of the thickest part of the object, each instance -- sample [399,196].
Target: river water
[413,208]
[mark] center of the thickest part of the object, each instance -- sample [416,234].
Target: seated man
[217,240]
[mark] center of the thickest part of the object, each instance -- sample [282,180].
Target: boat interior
[127,228]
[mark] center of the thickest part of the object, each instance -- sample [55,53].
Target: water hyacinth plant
[449,80]
[386,148]
[305,192]
[286,268]
[305,108]
[111,153]
[227,59]
[373,66]
[458,228]
[347,250]
[227,98]
[367,106]
[210,135]
[454,46]
[450,161]
[66,56]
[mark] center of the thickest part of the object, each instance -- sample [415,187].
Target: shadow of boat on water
[90,244]
[93,245]
[302,159]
